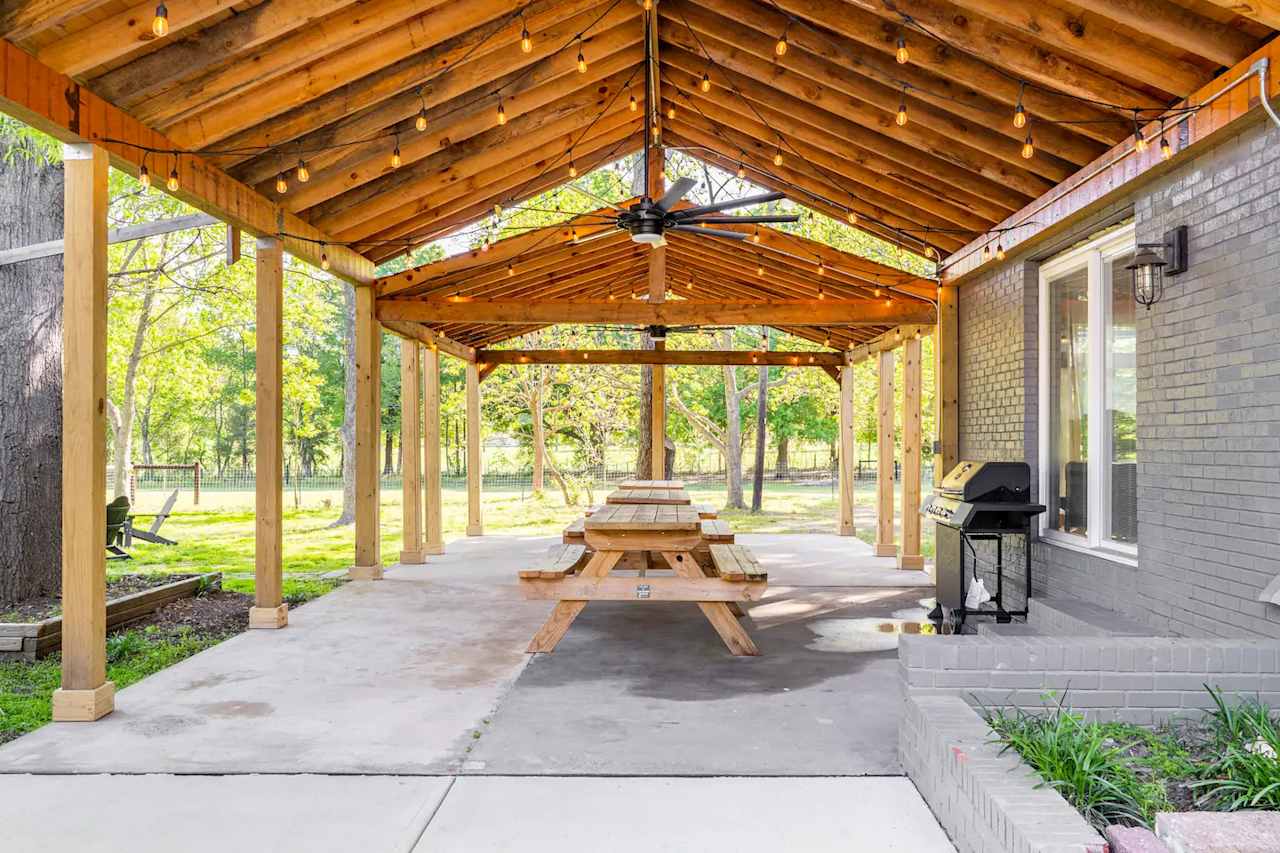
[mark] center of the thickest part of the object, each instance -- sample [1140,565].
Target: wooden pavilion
[346,134]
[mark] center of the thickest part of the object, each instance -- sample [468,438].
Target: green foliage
[1245,771]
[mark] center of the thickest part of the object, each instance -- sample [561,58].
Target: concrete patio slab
[663,814]
[214,814]
[825,559]
[651,690]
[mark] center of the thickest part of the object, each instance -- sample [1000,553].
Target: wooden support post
[368,565]
[947,372]
[85,693]
[412,549]
[658,420]
[269,609]
[847,451]
[233,245]
[911,556]
[885,546]
[475,460]
[431,448]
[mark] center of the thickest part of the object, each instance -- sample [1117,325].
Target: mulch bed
[214,613]
[42,607]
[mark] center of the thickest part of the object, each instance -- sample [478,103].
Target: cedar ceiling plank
[969,104]
[920,204]
[21,19]
[611,255]
[1266,13]
[544,261]
[1177,26]
[397,92]
[361,163]
[966,72]
[1010,49]
[876,105]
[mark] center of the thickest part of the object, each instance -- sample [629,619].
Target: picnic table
[671,532]
[651,484]
[649,496]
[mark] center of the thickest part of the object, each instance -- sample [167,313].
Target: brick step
[1062,616]
[1007,629]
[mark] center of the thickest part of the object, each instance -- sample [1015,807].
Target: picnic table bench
[727,574]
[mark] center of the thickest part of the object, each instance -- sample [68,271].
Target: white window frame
[1096,256]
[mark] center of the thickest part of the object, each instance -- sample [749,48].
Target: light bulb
[304,174]
[986,252]
[822,270]
[876,293]
[421,122]
[1028,148]
[742,172]
[582,63]
[826,342]
[324,261]
[1166,150]
[511,270]
[706,82]
[502,114]
[160,23]
[395,157]
[853,218]
[777,158]
[526,43]
[999,252]
[755,235]
[282,185]
[902,113]
[634,106]
[1139,142]
[821,293]
[573,170]
[1019,116]
[172,183]
[930,252]
[484,247]
[671,113]
[759,269]
[497,209]
[902,55]
[144,177]
[647,5]
[888,300]
[781,47]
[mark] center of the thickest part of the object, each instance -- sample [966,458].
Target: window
[1088,394]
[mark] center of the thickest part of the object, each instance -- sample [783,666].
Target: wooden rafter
[670,357]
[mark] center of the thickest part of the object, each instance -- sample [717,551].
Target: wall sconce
[1149,267]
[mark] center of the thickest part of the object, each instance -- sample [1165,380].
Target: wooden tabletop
[644,517]
[651,484]
[649,496]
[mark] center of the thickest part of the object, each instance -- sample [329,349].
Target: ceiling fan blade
[742,220]
[678,191]
[714,232]
[690,212]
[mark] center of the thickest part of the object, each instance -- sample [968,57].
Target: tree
[30,371]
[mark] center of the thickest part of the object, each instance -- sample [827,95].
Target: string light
[511,270]
[647,5]
[742,172]
[986,252]
[1139,141]
[821,294]
[999,252]
[822,270]
[324,257]
[573,170]
[502,113]
[1028,148]
[304,174]
[826,342]
[671,112]
[421,121]
[853,217]
[902,56]
[759,269]
[1166,150]
[160,23]
[755,236]
[526,43]
[144,177]
[777,158]
[282,185]
[781,47]
[633,104]
[1020,114]
[902,109]
[395,155]
[172,183]
[582,60]
[705,85]
[930,252]
[497,208]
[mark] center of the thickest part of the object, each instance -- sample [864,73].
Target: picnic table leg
[553,630]
[718,613]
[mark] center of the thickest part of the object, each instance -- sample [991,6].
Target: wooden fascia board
[773,358]
[887,341]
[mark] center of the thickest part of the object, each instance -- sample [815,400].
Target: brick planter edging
[986,800]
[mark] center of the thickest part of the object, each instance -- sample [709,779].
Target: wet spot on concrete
[166,724]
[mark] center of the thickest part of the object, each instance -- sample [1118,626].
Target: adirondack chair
[117,523]
[151,534]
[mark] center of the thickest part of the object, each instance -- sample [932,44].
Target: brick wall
[1208,399]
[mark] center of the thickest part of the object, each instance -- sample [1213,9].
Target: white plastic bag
[976,595]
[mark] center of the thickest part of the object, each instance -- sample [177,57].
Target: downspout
[1261,68]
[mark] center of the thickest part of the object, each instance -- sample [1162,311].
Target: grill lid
[988,482]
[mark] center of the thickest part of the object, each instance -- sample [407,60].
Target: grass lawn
[218,535]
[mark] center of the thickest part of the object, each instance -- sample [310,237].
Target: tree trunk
[122,425]
[30,382]
[757,480]
[732,441]
[783,463]
[539,432]
[348,515]
[388,455]
[644,461]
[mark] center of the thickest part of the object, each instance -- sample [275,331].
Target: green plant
[1080,761]
[1245,772]
[125,645]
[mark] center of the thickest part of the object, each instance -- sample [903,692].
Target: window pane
[1068,474]
[1122,404]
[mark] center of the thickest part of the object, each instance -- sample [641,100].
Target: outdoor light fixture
[1150,267]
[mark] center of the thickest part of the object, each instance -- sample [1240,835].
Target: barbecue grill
[979,502]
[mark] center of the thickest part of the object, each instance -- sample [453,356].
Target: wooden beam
[368,562]
[431,450]
[714,358]
[889,340]
[826,312]
[911,557]
[1180,27]
[475,452]
[1263,11]
[885,546]
[431,339]
[53,103]
[233,245]
[85,693]
[947,379]
[486,369]
[848,449]
[412,548]
[1225,104]
[115,235]
[269,609]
